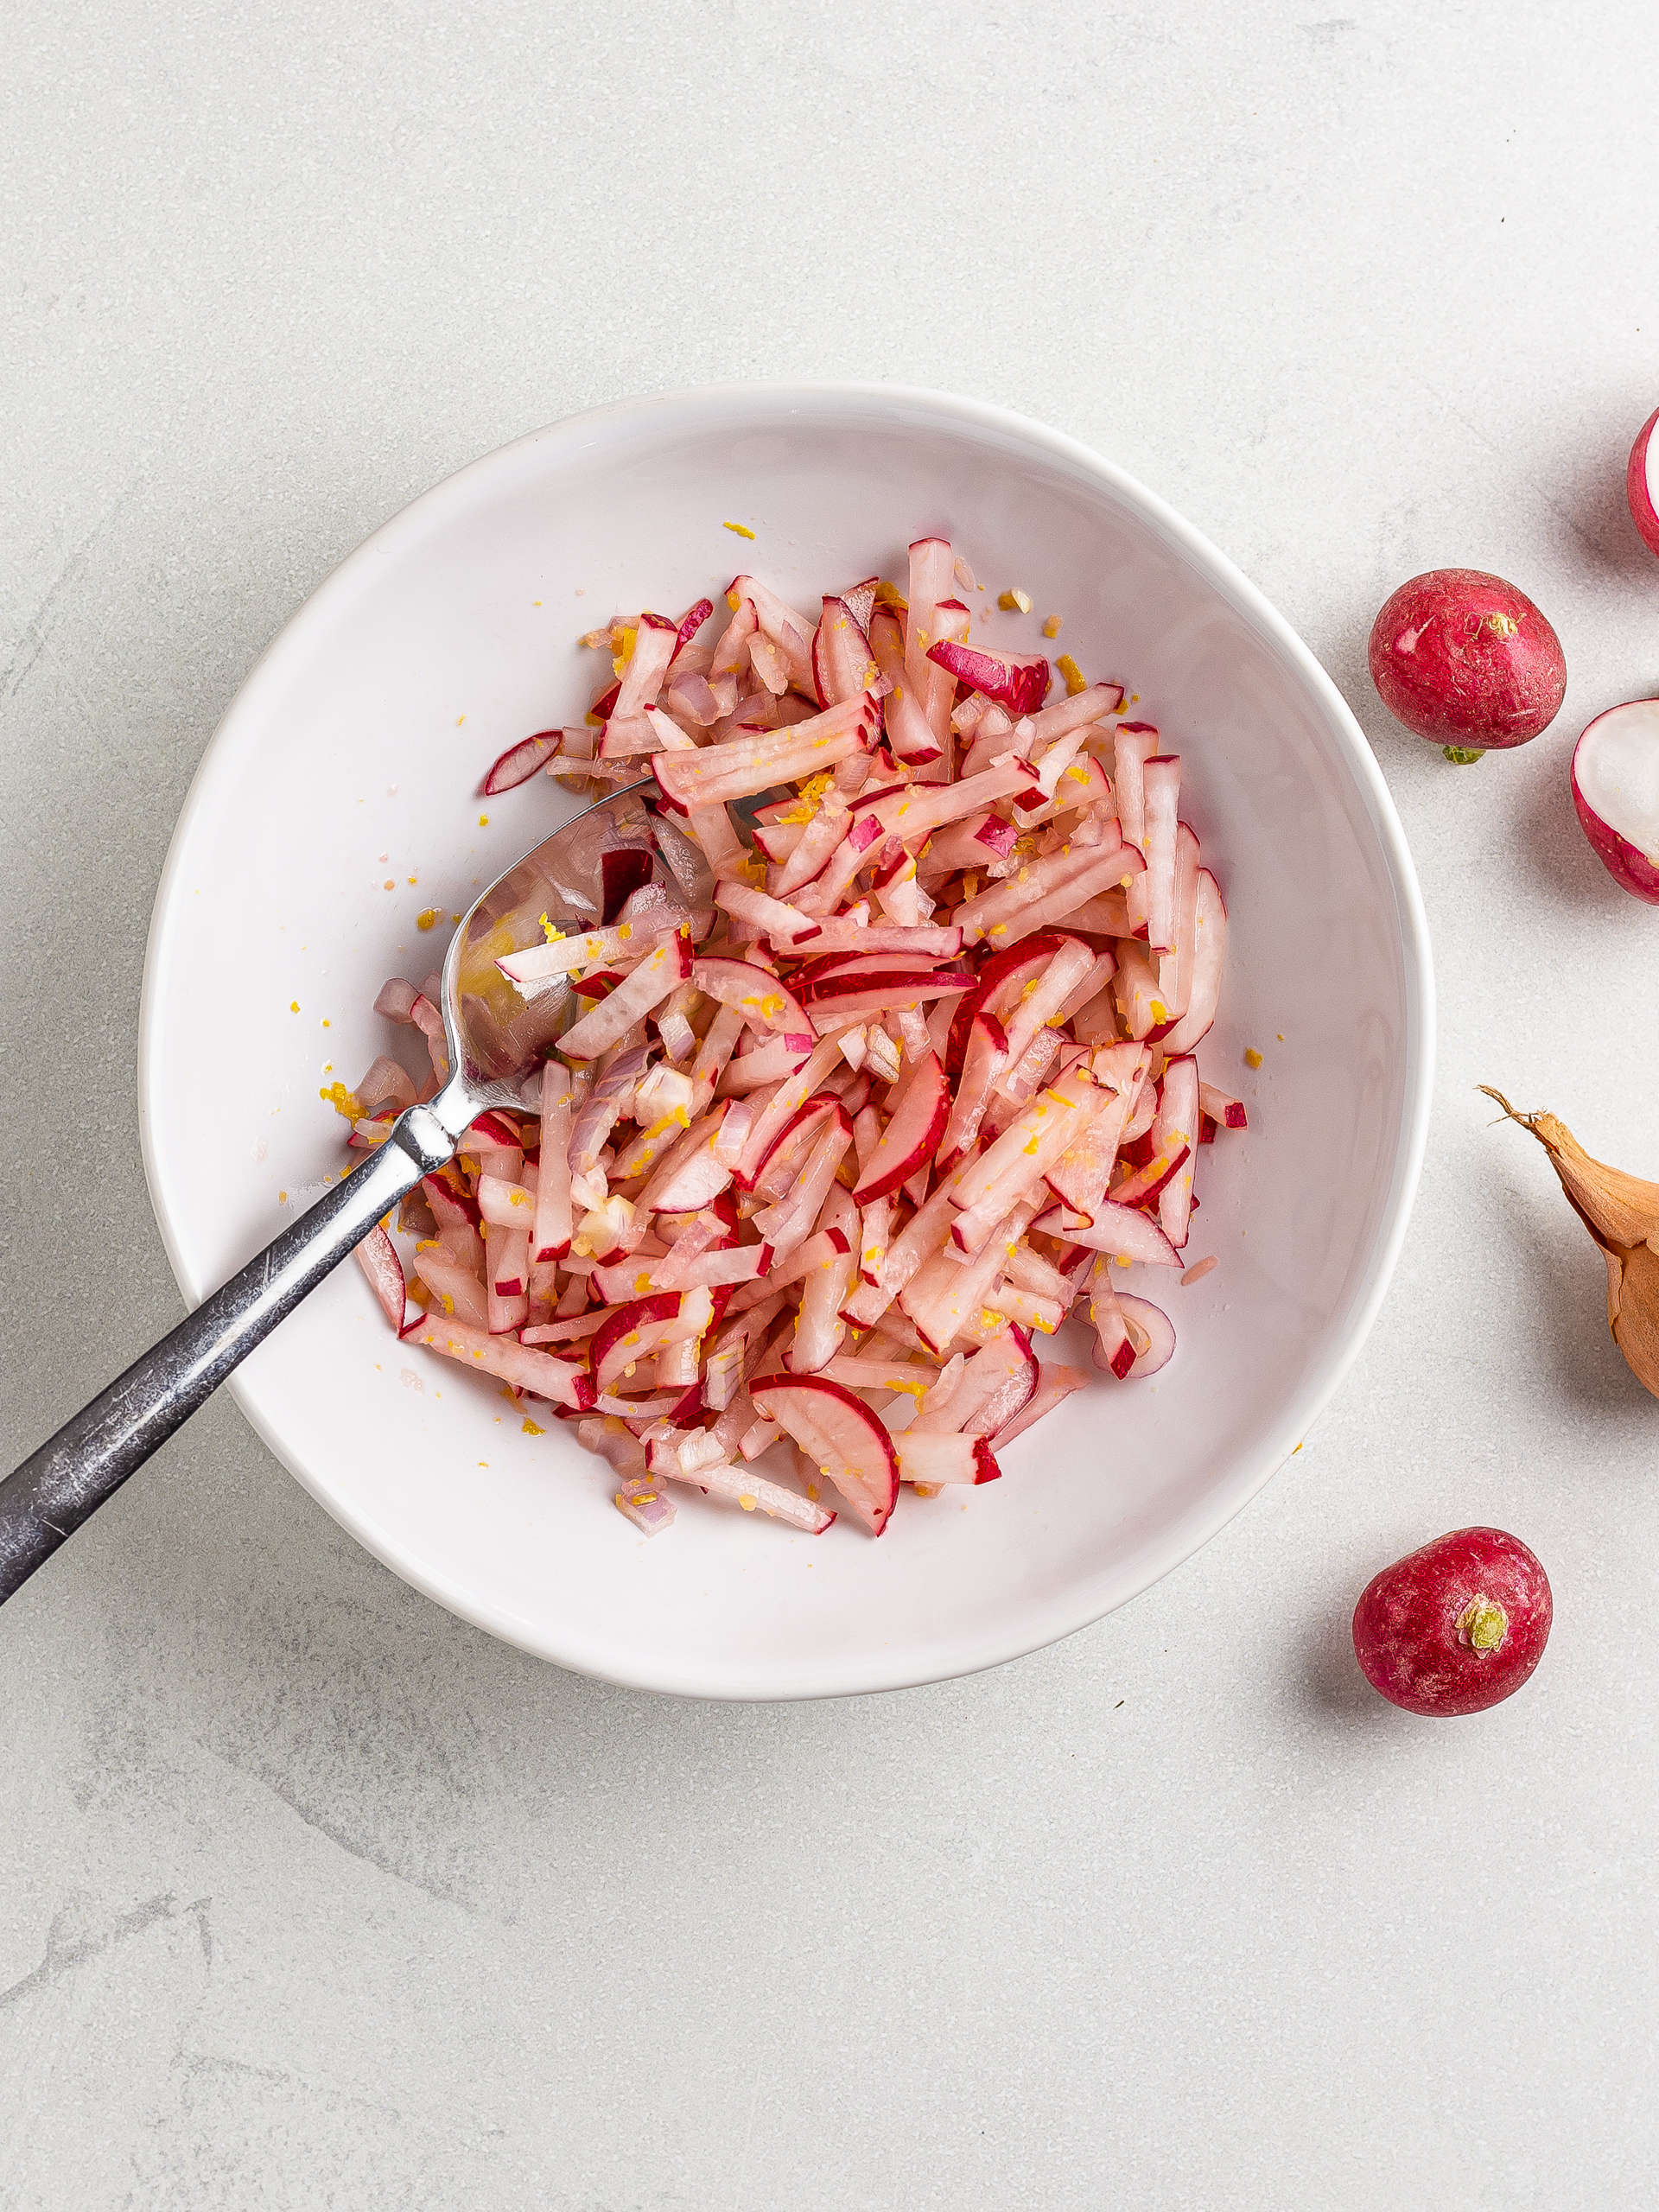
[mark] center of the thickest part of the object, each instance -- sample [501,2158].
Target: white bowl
[350,761]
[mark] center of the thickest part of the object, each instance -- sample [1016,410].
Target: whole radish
[1455,1627]
[1467,661]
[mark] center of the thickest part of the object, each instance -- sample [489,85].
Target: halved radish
[911,1137]
[842,1435]
[1616,792]
[1642,482]
[1017,681]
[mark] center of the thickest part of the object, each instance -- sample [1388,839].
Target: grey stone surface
[313,1896]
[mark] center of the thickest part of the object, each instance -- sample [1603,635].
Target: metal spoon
[494,1042]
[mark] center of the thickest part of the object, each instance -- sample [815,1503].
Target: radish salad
[820,1162]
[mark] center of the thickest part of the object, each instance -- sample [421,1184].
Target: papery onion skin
[1466,660]
[1621,1212]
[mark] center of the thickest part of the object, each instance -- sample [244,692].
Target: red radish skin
[1642,482]
[1615,793]
[1467,661]
[1455,1627]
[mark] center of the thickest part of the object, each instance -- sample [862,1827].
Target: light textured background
[313,1896]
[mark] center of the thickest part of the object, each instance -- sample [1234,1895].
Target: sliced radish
[519,762]
[1176,1129]
[832,997]
[720,774]
[1055,1384]
[1616,792]
[934,1459]
[557,1380]
[1017,681]
[630,1336]
[1208,952]
[1227,1113]
[984,1062]
[1018,902]
[612,1018]
[842,667]
[693,1173]
[377,1257]
[1124,1232]
[1151,1332]
[759,997]
[841,1434]
[911,1137]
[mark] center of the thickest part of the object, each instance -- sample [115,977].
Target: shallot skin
[1455,1627]
[1467,661]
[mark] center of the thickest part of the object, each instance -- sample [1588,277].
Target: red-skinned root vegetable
[1467,661]
[1642,481]
[1622,1213]
[1455,1627]
[1616,792]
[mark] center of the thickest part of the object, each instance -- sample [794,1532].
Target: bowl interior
[338,805]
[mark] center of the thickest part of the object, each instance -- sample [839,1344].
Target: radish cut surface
[1615,793]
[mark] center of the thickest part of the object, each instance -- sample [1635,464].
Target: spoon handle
[48,1497]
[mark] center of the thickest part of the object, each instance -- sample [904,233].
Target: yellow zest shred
[1051,625]
[343,1101]
[737,530]
[1076,680]
[1252,1057]
[1014,600]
